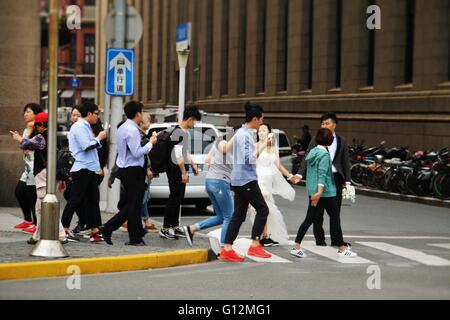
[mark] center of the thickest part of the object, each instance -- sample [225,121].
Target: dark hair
[252,111]
[77,107]
[132,108]
[192,112]
[329,115]
[324,137]
[87,107]
[33,107]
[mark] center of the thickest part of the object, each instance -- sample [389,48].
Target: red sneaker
[258,252]
[96,238]
[24,224]
[230,256]
[30,230]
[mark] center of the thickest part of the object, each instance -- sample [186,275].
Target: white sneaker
[298,253]
[347,253]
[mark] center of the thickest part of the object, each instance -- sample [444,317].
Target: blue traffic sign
[119,72]
[182,32]
[75,82]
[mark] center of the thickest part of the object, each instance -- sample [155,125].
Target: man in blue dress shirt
[83,145]
[130,161]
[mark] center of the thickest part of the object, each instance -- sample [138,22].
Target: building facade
[19,84]
[300,58]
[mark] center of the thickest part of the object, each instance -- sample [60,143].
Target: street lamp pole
[49,245]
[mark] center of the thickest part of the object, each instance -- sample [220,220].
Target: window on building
[409,48]
[283,38]
[209,48]
[371,52]
[310,43]
[338,42]
[225,46]
[89,54]
[261,47]
[242,47]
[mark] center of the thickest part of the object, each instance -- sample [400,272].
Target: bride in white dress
[272,182]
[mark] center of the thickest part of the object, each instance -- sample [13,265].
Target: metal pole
[120,8]
[49,245]
[183,57]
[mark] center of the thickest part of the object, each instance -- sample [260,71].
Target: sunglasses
[38,124]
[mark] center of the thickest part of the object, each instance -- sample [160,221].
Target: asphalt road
[406,247]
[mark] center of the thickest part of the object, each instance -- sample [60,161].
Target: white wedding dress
[272,182]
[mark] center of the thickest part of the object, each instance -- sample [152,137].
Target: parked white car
[202,136]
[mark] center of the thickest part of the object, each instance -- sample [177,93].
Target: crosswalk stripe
[331,253]
[440,245]
[415,255]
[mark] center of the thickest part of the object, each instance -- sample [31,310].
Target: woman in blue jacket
[322,194]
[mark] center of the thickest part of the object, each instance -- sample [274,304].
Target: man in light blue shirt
[244,181]
[84,192]
[130,160]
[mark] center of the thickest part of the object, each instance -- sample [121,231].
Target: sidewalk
[16,262]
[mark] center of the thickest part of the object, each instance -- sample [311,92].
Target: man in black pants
[131,173]
[84,192]
[177,174]
[341,172]
[244,181]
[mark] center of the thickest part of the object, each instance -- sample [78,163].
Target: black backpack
[161,153]
[64,163]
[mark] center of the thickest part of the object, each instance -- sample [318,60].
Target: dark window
[310,43]
[160,51]
[225,47]
[371,52]
[283,35]
[242,49]
[89,54]
[338,42]
[209,48]
[261,47]
[409,48]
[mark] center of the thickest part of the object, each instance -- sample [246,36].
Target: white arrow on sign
[120,63]
[120,57]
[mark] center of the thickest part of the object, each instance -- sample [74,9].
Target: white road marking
[440,245]
[375,237]
[331,253]
[415,255]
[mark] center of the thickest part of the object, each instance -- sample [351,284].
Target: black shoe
[268,242]
[179,232]
[32,241]
[321,243]
[166,234]
[105,235]
[347,244]
[189,235]
[136,243]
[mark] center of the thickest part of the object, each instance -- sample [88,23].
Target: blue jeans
[219,193]
[144,210]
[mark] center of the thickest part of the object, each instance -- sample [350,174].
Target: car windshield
[283,141]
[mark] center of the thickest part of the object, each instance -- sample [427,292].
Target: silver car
[202,136]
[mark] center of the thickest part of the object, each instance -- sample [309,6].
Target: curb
[61,268]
